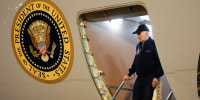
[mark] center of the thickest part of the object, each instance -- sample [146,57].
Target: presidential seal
[42,41]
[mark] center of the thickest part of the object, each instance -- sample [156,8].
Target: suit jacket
[146,60]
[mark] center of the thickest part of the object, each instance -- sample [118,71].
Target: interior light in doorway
[114,25]
[145,17]
[116,21]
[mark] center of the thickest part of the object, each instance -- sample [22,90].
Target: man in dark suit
[146,65]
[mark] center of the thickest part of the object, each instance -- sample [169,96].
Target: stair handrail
[121,85]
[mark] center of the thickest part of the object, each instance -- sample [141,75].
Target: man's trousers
[143,89]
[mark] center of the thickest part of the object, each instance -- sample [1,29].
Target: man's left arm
[158,68]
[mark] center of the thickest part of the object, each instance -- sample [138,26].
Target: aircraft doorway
[109,47]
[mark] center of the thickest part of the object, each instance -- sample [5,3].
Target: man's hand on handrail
[126,78]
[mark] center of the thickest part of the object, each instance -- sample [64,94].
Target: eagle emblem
[39,32]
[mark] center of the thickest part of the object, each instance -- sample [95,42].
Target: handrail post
[169,95]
